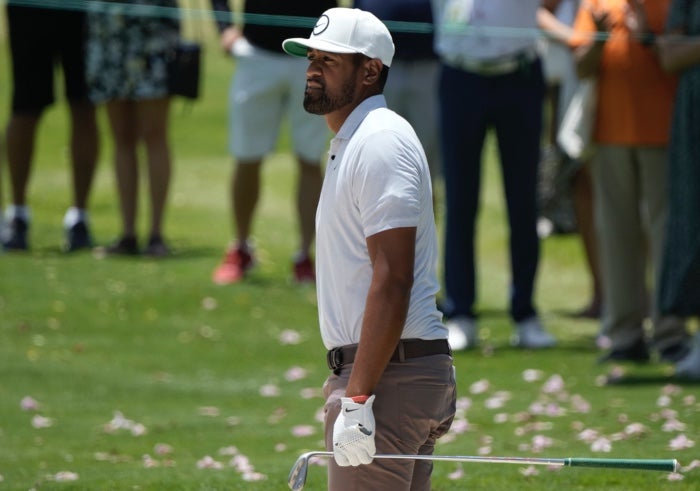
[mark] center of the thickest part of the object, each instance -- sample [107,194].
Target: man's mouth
[313,86]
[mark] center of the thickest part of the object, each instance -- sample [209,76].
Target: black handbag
[184,69]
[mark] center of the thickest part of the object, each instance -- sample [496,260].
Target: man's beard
[324,103]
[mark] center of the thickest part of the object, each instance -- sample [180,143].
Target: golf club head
[297,476]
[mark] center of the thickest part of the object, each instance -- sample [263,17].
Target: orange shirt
[635,96]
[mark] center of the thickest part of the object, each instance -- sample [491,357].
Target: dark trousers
[470,104]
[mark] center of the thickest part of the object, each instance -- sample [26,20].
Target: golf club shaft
[665,465]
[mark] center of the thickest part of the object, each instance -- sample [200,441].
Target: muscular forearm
[383,322]
[392,254]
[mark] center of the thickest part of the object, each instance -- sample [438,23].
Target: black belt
[407,348]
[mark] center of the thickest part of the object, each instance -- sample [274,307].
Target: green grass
[157,341]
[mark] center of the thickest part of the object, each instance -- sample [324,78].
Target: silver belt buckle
[334,358]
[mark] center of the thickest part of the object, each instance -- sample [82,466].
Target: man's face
[331,82]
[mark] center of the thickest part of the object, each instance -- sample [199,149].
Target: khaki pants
[630,190]
[414,406]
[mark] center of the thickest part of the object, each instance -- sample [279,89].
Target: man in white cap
[376,252]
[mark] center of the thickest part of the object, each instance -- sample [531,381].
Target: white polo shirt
[377,178]
[485,29]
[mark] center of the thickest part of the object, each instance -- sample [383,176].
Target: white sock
[17,211]
[74,215]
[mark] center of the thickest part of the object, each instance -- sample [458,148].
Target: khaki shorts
[414,406]
[268,89]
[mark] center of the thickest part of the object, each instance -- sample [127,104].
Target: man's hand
[228,38]
[353,433]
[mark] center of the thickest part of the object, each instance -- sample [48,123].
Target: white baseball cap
[345,30]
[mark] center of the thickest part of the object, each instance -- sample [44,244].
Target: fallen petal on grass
[40,422]
[636,429]
[681,442]
[532,375]
[456,474]
[554,384]
[269,390]
[295,373]
[693,465]
[479,387]
[29,404]
[65,476]
[310,393]
[529,471]
[673,425]
[601,445]
[289,336]
[162,449]
[209,303]
[209,411]
[229,451]
[149,462]
[208,462]
[303,430]
[253,476]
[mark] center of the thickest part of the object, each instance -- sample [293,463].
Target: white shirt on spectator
[485,29]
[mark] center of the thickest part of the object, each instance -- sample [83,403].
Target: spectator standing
[629,170]
[377,252]
[267,85]
[411,90]
[127,70]
[490,80]
[679,291]
[568,204]
[39,39]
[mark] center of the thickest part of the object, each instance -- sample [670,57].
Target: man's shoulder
[385,120]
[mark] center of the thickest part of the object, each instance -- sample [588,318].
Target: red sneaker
[234,267]
[304,271]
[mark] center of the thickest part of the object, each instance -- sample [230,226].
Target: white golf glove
[353,433]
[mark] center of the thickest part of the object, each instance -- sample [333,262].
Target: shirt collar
[358,115]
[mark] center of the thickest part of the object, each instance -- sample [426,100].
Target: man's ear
[372,71]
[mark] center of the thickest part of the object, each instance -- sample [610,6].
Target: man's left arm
[392,253]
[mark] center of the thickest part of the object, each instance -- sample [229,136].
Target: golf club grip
[666,465]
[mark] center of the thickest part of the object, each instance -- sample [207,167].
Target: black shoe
[126,246]
[77,237]
[14,236]
[637,353]
[156,247]
[674,353]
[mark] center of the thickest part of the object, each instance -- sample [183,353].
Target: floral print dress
[680,276]
[128,48]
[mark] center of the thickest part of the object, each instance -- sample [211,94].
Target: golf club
[297,476]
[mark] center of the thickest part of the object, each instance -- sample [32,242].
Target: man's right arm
[228,33]
[222,14]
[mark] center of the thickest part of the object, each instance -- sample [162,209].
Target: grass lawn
[136,374]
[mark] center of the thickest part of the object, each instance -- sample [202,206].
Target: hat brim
[300,46]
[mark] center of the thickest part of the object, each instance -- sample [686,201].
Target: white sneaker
[531,335]
[463,333]
[689,367]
